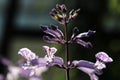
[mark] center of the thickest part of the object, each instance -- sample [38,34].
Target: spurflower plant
[54,35]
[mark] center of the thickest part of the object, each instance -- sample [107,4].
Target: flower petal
[83,63]
[52,40]
[87,67]
[49,50]
[100,65]
[85,34]
[58,61]
[75,32]
[93,77]
[103,57]
[48,31]
[83,43]
[27,54]
[55,28]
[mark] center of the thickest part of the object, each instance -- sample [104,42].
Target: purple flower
[101,59]
[87,67]
[50,53]
[27,54]
[51,58]
[91,68]
[77,38]
[57,35]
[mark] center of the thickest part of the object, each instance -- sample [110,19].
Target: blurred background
[19,27]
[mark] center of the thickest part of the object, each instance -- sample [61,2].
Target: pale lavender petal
[13,73]
[41,62]
[83,43]
[58,61]
[47,49]
[103,57]
[99,71]
[85,34]
[25,73]
[100,64]
[27,54]
[53,50]
[83,63]
[93,76]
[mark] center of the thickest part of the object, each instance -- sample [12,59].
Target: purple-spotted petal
[50,51]
[103,57]
[27,54]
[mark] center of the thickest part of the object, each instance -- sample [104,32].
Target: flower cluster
[59,14]
[33,61]
[55,35]
[15,72]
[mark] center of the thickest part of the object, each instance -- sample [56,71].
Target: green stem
[67,53]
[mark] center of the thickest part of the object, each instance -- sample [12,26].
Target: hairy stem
[67,53]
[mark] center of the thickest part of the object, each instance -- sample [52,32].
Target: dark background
[19,27]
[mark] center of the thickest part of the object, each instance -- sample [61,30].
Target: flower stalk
[67,53]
